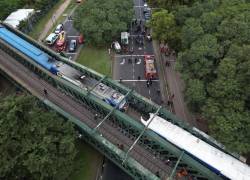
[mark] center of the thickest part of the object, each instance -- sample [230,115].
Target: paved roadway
[71,33]
[129,72]
[108,129]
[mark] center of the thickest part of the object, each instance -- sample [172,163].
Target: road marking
[139,61]
[71,53]
[135,80]
[73,36]
[123,61]
[133,55]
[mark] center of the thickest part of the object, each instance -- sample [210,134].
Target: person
[120,79]
[129,60]
[136,21]
[158,91]
[172,97]
[96,116]
[140,21]
[150,80]
[45,91]
[167,63]
[148,83]
[139,77]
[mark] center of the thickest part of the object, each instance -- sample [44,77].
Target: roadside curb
[160,66]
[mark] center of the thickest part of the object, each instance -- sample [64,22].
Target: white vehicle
[117,46]
[59,28]
[51,39]
[124,38]
[214,159]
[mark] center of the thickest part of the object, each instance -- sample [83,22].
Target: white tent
[16,17]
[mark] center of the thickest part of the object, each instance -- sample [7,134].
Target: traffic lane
[123,69]
[71,54]
[69,28]
[152,92]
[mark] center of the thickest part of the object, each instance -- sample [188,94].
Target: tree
[195,94]
[103,21]
[164,27]
[34,143]
[191,31]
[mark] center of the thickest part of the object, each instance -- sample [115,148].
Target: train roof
[26,48]
[226,164]
[104,91]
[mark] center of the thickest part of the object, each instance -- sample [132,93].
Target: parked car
[51,39]
[72,45]
[59,28]
[81,39]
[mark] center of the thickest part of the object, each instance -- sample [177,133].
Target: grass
[88,162]
[97,59]
[38,28]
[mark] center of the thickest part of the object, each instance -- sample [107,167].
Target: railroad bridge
[118,135]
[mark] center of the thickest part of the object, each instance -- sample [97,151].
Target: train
[41,58]
[224,165]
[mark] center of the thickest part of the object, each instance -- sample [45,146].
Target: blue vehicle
[110,96]
[28,49]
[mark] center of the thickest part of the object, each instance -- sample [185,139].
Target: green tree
[164,27]
[103,21]
[34,143]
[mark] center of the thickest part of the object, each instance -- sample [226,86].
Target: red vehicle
[150,70]
[61,42]
[81,39]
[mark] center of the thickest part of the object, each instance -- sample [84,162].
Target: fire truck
[61,42]
[150,70]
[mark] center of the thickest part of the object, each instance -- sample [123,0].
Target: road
[71,33]
[129,72]
[132,73]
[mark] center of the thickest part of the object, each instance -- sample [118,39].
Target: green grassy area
[38,28]
[88,162]
[97,59]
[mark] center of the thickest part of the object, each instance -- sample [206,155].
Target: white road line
[73,36]
[135,80]
[123,61]
[132,55]
[139,61]
[70,53]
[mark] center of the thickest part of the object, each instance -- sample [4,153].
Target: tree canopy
[213,60]
[102,21]
[34,143]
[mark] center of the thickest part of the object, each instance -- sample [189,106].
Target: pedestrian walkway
[174,85]
[55,17]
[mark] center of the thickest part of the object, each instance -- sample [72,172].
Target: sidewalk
[55,16]
[172,84]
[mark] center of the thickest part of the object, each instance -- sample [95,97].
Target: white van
[51,39]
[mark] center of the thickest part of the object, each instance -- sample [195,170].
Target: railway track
[108,129]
